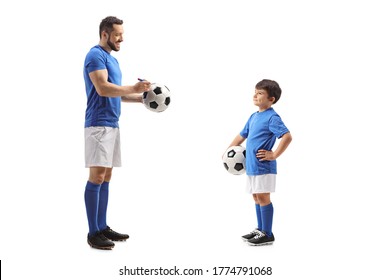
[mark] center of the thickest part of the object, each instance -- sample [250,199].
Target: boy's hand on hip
[265,155]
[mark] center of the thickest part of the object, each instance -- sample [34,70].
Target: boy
[261,131]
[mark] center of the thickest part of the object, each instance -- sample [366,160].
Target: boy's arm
[270,155]
[237,141]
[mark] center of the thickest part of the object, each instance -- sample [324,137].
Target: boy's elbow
[288,136]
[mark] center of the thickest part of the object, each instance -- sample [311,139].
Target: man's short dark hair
[108,23]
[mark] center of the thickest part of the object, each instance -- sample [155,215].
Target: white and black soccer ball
[234,160]
[157,99]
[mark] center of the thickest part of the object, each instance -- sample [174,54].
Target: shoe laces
[259,234]
[102,236]
[108,229]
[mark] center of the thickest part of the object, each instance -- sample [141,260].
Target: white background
[172,194]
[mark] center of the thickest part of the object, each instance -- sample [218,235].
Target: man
[105,93]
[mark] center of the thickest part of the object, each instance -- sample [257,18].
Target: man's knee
[98,180]
[97,175]
[107,176]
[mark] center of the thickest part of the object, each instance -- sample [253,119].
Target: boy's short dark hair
[271,87]
[107,24]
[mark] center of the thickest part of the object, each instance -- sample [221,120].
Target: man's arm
[104,88]
[132,98]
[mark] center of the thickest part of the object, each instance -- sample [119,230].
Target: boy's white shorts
[102,146]
[261,183]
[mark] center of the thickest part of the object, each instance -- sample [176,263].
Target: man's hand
[142,86]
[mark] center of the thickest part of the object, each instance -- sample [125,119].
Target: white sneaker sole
[261,244]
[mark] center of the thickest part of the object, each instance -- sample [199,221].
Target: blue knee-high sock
[103,202]
[258,215]
[267,214]
[91,198]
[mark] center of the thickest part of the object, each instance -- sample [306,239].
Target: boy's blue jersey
[101,111]
[261,131]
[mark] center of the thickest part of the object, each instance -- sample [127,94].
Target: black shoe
[250,235]
[99,241]
[113,235]
[261,239]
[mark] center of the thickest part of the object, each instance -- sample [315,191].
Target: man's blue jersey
[101,111]
[261,131]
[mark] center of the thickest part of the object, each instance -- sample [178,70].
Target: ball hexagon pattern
[157,99]
[234,160]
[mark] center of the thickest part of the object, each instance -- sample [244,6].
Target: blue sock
[267,214]
[258,215]
[103,202]
[91,198]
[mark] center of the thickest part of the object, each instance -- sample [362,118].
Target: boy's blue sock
[91,198]
[267,214]
[258,215]
[103,202]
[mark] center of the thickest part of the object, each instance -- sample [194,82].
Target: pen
[141,80]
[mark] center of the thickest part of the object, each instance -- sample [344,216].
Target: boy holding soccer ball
[261,131]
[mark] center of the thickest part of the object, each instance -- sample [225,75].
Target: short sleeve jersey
[101,111]
[261,131]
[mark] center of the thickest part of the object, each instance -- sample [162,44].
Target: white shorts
[102,146]
[261,183]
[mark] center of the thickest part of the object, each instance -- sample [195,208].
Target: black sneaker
[113,235]
[99,241]
[250,235]
[261,239]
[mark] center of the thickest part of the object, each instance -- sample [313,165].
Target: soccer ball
[234,160]
[157,99]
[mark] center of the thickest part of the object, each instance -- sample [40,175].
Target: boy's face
[262,100]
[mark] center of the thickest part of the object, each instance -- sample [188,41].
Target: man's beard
[112,45]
